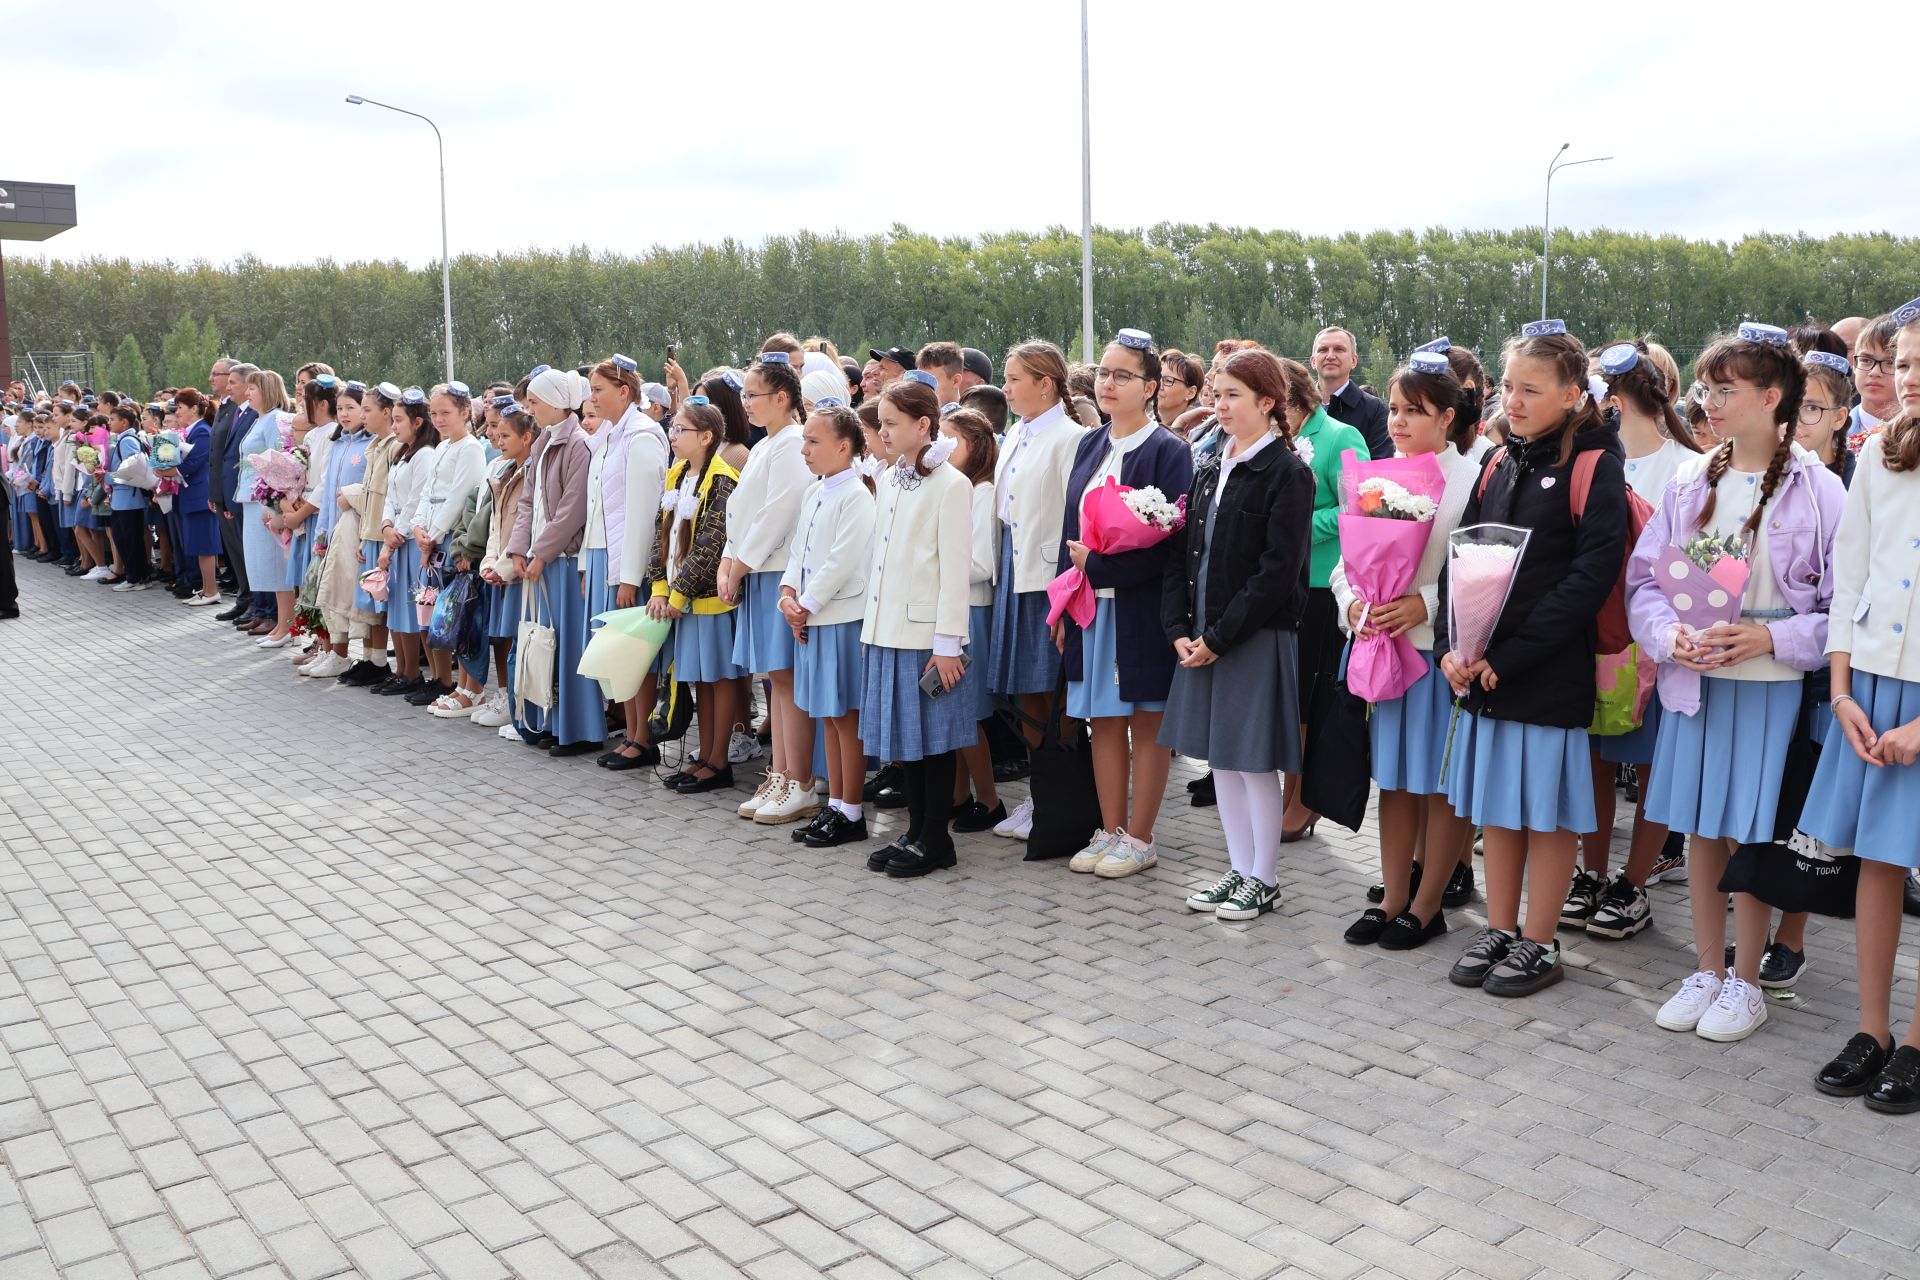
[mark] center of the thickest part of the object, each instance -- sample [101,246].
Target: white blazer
[917,579]
[832,546]
[986,546]
[458,468]
[765,505]
[1876,569]
[1030,493]
[1462,475]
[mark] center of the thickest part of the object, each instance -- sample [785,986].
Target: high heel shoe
[1294,837]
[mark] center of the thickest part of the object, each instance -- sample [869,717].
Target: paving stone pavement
[302,983]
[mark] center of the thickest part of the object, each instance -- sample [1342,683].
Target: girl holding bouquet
[1120,668]
[1518,763]
[198,525]
[1408,733]
[399,554]
[128,503]
[458,469]
[344,466]
[1230,610]
[368,500]
[268,566]
[1732,692]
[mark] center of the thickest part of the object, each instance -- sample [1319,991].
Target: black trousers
[236,552]
[9,589]
[929,785]
[129,529]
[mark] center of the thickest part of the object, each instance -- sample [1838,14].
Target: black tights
[930,801]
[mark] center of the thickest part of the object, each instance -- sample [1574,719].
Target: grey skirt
[1242,713]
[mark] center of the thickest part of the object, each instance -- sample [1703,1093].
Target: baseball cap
[899,355]
[977,363]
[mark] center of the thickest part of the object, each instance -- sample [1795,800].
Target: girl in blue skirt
[1732,693]
[1866,791]
[760,525]
[269,569]
[399,556]
[458,469]
[513,435]
[915,626]
[823,597]
[684,587]
[1119,669]
[976,801]
[1518,764]
[1409,733]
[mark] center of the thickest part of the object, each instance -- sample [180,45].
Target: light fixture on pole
[1546,235]
[446,263]
[1086,194]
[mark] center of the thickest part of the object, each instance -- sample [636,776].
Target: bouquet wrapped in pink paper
[1390,506]
[1705,580]
[1113,518]
[279,474]
[1482,560]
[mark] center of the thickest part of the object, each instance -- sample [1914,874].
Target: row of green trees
[1189,285]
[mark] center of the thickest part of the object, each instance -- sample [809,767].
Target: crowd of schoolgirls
[873,546]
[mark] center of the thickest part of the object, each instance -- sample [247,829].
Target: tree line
[161,323]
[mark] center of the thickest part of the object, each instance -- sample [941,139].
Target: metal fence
[44,371]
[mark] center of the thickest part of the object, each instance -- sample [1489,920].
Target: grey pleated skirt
[1242,713]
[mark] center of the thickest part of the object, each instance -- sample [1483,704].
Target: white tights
[1251,807]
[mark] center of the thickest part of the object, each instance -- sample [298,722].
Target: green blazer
[1330,439]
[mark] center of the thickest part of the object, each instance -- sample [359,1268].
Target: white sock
[850,811]
[1267,805]
[1236,824]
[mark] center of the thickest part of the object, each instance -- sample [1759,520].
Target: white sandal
[449,707]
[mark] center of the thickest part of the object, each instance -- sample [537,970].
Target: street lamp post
[446,262]
[1546,235]
[1086,194]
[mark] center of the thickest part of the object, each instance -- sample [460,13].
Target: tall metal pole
[1086,193]
[1554,166]
[446,259]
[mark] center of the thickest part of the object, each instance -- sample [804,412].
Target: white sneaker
[771,785]
[124,586]
[326,666]
[96,573]
[509,732]
[1088,858]
[1735,1015]
[493,712]
[743,746]
[1126,856]
[1019,823]
[1696,995]
[796,800]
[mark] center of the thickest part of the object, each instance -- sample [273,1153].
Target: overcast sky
[621,125]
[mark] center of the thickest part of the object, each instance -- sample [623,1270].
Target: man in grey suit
[224,380]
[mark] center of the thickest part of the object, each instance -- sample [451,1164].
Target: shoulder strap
[1494,460]
[1584,465]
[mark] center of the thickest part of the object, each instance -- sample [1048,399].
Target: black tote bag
[1066,802]
[1337,775]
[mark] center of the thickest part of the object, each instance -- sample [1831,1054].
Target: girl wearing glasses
[1731,694]
[1120,668]
[1824,415]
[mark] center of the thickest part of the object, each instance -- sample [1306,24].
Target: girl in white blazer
[760,522]
[822,598]
[399,555]
[915,625]
[625,482]
[976,802]
[458,469]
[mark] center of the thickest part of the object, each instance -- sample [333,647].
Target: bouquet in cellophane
[279,474]
[1113,518]
[1384,530]
[169,450]
[1704,580]
[1482,561]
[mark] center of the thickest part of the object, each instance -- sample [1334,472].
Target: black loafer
[799,834]
[1378,893]
[1366,931]
[228,615]
[397,686]
[843,830]
[909,863]
[648,757]
[1855,1068]
[887,775]
[1460,887]
[892,795]
[720,781]
[572,748]
[427,694]
[973,817]
[879,858]
[1405,932]
[1896,1091]
[1204,796]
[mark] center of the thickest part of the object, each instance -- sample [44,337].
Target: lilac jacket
[1800,525]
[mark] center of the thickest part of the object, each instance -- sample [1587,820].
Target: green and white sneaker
[1088,858]
[1251,898]
[1211,898]
[1126,856]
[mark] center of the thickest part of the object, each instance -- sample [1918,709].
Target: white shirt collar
[837,480]
[1229,462]
[1337,390]
[1030,427]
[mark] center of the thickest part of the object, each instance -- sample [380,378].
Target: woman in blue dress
[197,527]
[268,565]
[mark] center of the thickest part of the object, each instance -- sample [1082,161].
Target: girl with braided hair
[1732,693]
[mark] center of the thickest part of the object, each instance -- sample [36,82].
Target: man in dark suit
[1335,353]
[230,423]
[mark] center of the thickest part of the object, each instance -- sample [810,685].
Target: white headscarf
[821,383]
[817,360]
[561,388]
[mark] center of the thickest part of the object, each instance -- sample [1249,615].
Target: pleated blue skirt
[26,503]
[899,722]
[403,575]
[369,558]
[1099,694]
[980,649]
[268,563]
[1521,777]
[1874,812]
[503,611]
[1023,659]
[84,517]
[579,714]
[1636,747]
[22,522]
[1409,735]
[69,513]
[593,567]
[199,532]
[828,672]
[1716,773]
[703,646]
[762,641]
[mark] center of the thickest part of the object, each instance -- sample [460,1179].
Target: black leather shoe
[397,686]
[1459,890]
[75,571]
[1405,932]
[1366,931]
[361,674]
[887,775]
[879,858]
[1203,795]
[1910,895]
[720,781]
[973,816]
[1896,1091]
[1378,893]
[1012,770]
[648,757]
[540,741]
[572,748]
[1855,1068]
[229,615]
[427,693]
[800,834]
[909,863]
[842,830]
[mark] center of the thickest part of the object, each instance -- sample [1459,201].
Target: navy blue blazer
[195,468]
[1143,654]
[229,462]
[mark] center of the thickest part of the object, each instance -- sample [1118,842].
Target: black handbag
[1789,872]
[1336,778]
[1066,801]
[672,713]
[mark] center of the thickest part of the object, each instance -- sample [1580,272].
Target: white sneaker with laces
[1737,1013]
[493,711]
[1683,1011]
[510,733]
[326,666]
[1019,823]
[794,801]
[771,785]
[1126,856]
[124,586]
[743,746]
[1088,858]
[96,573]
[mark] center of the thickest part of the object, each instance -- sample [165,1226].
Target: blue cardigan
[1143,655]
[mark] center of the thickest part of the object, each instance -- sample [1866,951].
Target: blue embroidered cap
[1767,335]
[732,379]
[624,363]
[355,387]
[1428,362]
[325,380]
[950,408]
[829,402]
[920,376]
[1619,358]
[1439,344]
[1134,339]
[695,400]
[413,395]
[503,403]
[1542,328]
[537,370]
[389,392]
[460,389]
[775,357]
[1828,360]
[157,405]
[1908,314]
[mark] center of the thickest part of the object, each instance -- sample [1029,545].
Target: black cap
[977,363]
[899,355]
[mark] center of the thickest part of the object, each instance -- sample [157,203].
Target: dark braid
[1768,483]
[1716,467]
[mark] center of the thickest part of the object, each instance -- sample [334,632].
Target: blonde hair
[273,389]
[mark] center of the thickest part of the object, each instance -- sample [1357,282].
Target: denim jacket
[1799,527]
